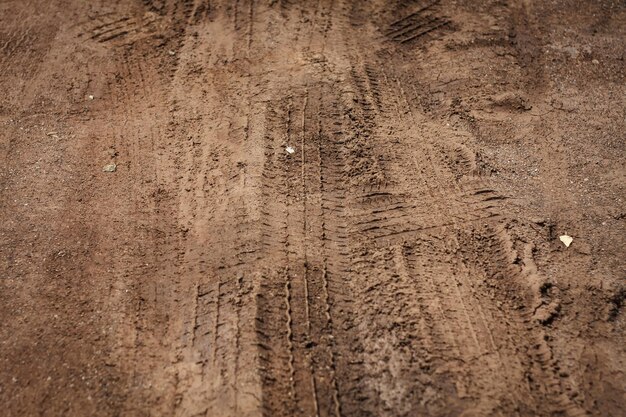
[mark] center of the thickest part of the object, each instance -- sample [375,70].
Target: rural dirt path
[319,208]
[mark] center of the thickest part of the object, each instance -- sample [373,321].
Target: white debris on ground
[567,240]
[290,150]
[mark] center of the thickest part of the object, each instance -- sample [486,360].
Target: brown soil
[403,260]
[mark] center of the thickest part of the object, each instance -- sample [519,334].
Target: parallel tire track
[315,242]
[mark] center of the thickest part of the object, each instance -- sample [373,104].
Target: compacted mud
[312,208]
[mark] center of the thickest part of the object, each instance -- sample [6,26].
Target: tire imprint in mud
[309,340]
[373,271]
[346,180]
[299,368]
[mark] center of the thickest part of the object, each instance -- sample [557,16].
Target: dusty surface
[403,260]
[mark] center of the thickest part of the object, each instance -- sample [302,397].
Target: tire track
[213,367]
[281,176]
[459,200]
[293,228]
[339,331]
[274,315]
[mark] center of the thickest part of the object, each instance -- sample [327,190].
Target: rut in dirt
[343,283]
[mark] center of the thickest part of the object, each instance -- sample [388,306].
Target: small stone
[595,61]
[290,150]
[90,97]
[567,240]
[109,168]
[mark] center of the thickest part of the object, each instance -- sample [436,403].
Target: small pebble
[110,168]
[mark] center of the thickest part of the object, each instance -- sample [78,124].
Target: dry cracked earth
[316,208]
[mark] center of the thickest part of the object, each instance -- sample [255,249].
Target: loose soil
[401,258]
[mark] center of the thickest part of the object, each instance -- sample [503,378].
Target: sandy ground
[318,208]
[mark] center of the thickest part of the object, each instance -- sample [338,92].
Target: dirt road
[318,208]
